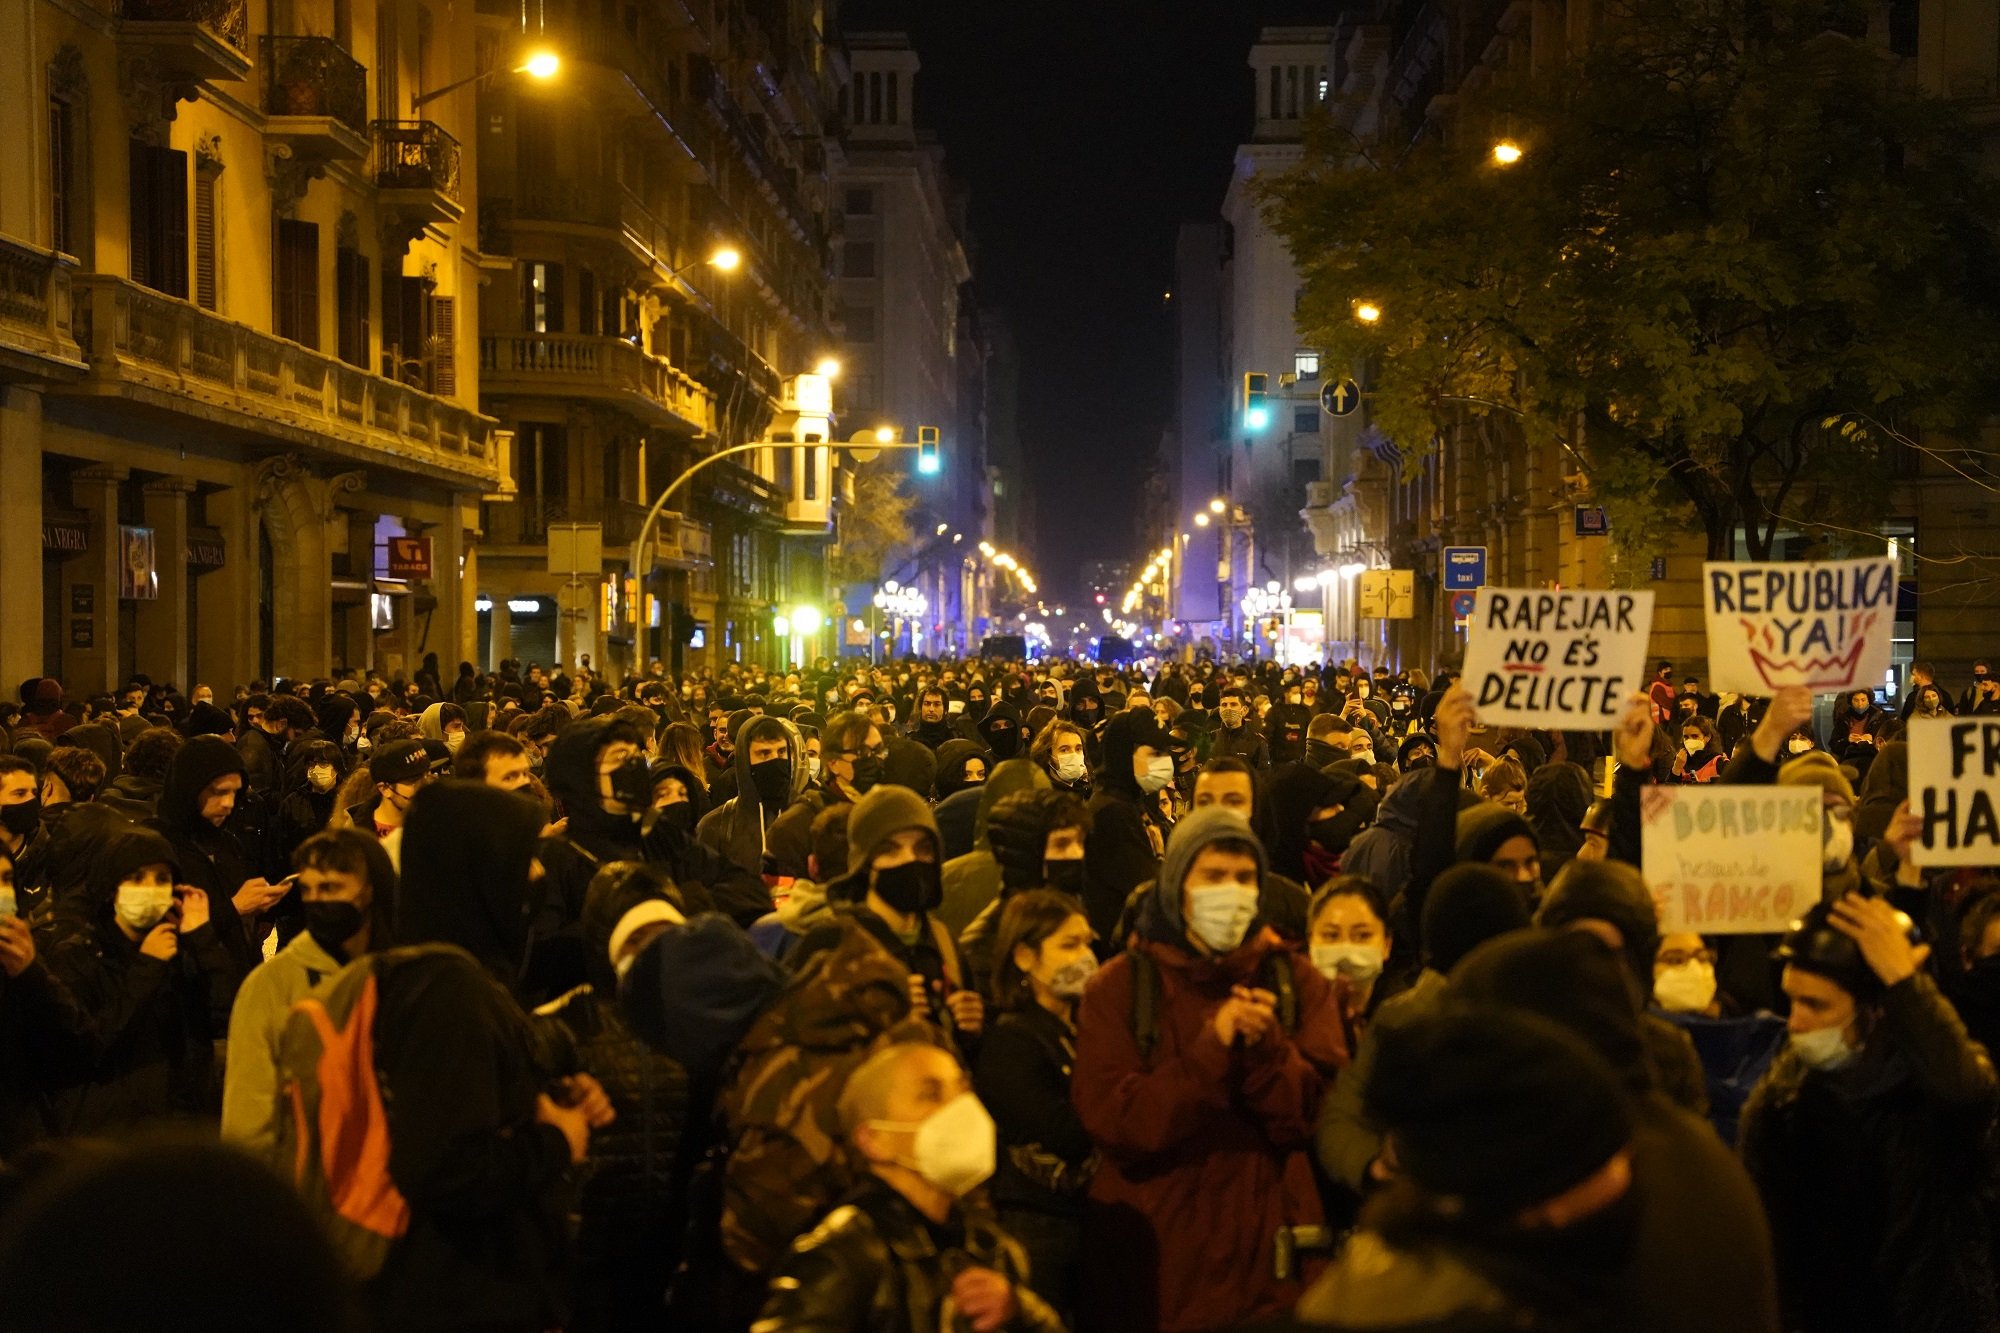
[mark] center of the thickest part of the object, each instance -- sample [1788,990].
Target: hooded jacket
[1558,797]
[972,881]
[1118,854]
[958,801]
[1002,731]
[1204,1145]
[211,859]
[738,827]
[455,1056]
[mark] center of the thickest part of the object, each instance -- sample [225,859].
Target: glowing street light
[1217,505]
[828,366]
[541,65]
[1201,519]
[1506,153]
[726,260]
[1367,312]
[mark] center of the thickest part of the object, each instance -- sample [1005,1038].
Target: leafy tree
[1740,260]
[874,526]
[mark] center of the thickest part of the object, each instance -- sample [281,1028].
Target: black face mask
[1417,761]
[631,783]
[1319,754]
[1064,876]
[332,924]
[1005,742]
[914,886]
[23,819]
[679,815]
[773,781]
[1336,831]
[867,773]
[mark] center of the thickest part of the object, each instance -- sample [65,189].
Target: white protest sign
[1955,789]
[1822,625]
[1565,660]
[1731,860]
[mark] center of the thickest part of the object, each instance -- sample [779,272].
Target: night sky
[1085,132]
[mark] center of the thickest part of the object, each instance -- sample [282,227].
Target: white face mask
[321,776]
[1069,767]
[363,745]
[1159,772]
[140,906]
[1823,1049]
[1363,753]
[1837,845]
[954,1146]
[812,767]
[453,741]
[1356,962]
[1693,745]
[1219,914]
[1070,979]
[1685,988]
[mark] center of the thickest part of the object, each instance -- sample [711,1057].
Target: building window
[160,219]
[542,297]
[858,260]
[586,301]
[1277,93]
[1305,421]
[62,175]
[205,240]
[295,282]
[351,294]
[1306,365]
[541,461]
[860,203]
[859,321]
[1305,471]
[895,98]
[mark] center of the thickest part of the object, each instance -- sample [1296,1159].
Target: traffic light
[1256,400]
[928,462]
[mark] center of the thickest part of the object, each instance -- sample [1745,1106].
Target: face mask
[631,782]
[812,767]
[1356,962]
[867,773]
[1159,772]
[453,741]
[321,776]
[332,924]
[773,781]
[1070,767]
[911,887]
[1686,988]
[9,904]
[679,815]
[1070,979]
[1363,753]
[1400,706]
[1417,761]
[141,906]
[1219,914]
[1335,831]
[362,745]
[1693,744]
[351,737]
[1825,1049]
[1064,876]
[1005,742]
[1837,846]
[954,1147]
[23,819]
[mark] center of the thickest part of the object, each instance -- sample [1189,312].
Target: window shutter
[204,239]
[140,203]
[298,281]
[170,178]
[444,338]
[351,292]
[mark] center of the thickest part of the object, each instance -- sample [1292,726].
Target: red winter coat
[1204,1146]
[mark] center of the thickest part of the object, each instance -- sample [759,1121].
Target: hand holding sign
[1790,709]
[1632,741]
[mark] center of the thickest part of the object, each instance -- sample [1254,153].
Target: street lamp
[1217,505]
[1367,312]
[1506,153]
[1201,519]
[828,366]
[540,65]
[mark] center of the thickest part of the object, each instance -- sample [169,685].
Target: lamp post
[540,65]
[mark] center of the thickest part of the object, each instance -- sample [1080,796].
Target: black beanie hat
[1497,1109]
[1467,906]
[1614,892]
[1573,979]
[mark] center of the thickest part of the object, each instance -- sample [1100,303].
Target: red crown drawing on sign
[1831,672]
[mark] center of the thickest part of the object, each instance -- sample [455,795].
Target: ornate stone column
[297,509]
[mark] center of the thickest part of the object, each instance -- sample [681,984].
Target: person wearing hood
[1002,731]
[770,776]
[853,755]
[347,893]
[137,950]
[482,1140]
[963,767]
[312,775]
[1035,838]
[101,741]
[135,792]
[1559,796]
[204,783]
[444,723]
[1202,1102]
[1314,817]
[1125,843]
[263,741]
[1867,1137]
[1696,1210]
[1468,905]
[598,770]
[974,881]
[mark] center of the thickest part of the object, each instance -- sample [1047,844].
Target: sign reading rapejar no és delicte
[1565,660]
[1823,625]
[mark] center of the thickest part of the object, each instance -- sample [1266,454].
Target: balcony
[35,337]
[575,365]
[600,210]
[187,42]
[416,171]
[170,359]
[315,100]
[525,522]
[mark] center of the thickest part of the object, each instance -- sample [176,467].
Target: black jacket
[877,1265]
[44,1041]
[211,858]
[1875,1176]
[1045,1154]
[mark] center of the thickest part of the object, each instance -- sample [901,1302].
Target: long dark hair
[1029,918]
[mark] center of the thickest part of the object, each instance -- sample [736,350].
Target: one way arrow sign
[1340,397]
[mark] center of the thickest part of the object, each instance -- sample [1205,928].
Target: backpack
[1275,972]
[334,1137]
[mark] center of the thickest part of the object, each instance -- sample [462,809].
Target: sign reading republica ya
[1731,860]
[1565,660]
[1824,625]
[1955,790]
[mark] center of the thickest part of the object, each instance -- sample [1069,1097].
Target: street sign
[1592,521]
[409,557]
[576,549]
[1464,569]
[1388,594]
[1340,397]
[1461,606]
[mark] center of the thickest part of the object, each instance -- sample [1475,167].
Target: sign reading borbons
[1564,660]
[1823,625]
[1955,790]
[1731,860]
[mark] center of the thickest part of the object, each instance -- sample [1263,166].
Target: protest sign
[1731,860]
[1822,625]
[1955,789]
[1565,660]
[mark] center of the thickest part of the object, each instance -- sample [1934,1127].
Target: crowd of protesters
[971,996]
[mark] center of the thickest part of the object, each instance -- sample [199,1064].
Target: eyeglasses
[879,752]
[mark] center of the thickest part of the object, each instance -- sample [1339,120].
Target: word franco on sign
[1730,860]
[1955,790]
[1564,660]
